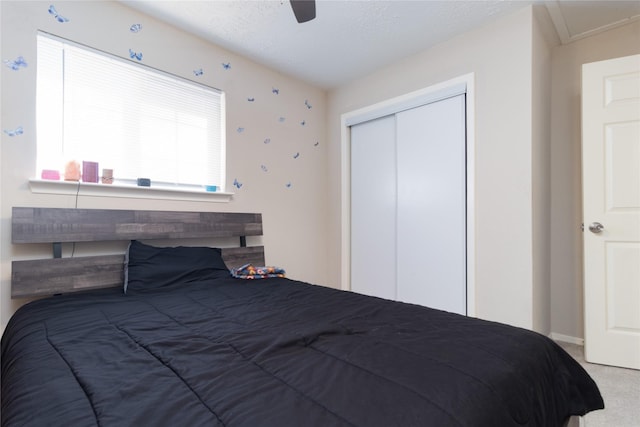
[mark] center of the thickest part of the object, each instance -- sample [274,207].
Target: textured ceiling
[349,39]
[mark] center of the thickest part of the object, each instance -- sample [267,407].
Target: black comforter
[277,352]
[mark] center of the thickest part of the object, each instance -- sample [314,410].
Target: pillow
[148,267]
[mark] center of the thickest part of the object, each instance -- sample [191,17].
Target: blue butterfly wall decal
[135,28]
[198,72]
[55,14]
[16,64]
[237,183]
[226,66]
[14,132]
[135,55]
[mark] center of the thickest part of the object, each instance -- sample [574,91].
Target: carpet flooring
[620,389]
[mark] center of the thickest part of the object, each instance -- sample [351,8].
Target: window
[138,121]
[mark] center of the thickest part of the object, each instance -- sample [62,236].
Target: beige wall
[527,191]
[544,38]
[528,184]
[500,55]
[294,218]
[566,203]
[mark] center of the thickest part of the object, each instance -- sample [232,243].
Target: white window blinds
[133,119]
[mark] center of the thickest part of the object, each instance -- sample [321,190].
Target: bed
[189,344]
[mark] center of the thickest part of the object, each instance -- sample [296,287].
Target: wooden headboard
[63,275]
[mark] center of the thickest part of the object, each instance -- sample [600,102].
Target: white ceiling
[351,38]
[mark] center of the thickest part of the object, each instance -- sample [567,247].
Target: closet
[408,205]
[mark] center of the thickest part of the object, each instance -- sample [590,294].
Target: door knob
[596,227]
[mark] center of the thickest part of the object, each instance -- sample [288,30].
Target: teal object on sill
[211,188]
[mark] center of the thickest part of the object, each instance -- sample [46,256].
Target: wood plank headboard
[58,225]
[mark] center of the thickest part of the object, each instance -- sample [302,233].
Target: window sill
[73,188]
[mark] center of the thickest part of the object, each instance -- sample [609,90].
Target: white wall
[500,55]
[294,217]
[567,315]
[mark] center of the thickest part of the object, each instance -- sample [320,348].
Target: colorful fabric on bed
[249,271]
[276,352]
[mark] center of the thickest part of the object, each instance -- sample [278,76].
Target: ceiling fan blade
[304,10]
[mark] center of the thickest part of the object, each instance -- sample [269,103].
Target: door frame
[460,85]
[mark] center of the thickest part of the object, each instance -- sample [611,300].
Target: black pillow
[147,268]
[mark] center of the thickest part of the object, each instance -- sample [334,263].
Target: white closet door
[373,208]
[431,205]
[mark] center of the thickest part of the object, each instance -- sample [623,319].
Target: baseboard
[566,338]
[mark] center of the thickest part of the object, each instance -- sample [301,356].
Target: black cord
[77,193]
[73,247]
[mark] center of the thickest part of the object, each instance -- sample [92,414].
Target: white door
[408,206]
[431,232]
[373,208]
[611,209]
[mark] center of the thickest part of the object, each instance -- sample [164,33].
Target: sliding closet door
[431,205]
[373,208]
[408,206]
